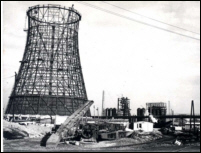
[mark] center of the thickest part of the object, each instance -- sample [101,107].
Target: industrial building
[123,107]
[111,112]
[157,108]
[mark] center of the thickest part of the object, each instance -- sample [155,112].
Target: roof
[144,122]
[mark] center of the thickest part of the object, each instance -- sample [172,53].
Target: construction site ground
[162,145]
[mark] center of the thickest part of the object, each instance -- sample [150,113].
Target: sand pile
[15,131]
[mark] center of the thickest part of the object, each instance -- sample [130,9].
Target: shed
[142,125]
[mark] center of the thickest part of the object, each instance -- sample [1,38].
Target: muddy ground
[163,145]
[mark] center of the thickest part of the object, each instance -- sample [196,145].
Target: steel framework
[123,107]
[156,109]
[49,80]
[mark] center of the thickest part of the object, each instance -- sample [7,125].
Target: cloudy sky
[124,57]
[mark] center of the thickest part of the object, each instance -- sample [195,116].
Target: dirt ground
[162,145]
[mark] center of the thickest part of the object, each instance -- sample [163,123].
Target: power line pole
[192,115]
[103,98]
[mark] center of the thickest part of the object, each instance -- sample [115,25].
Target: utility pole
[103,98]
[192,115]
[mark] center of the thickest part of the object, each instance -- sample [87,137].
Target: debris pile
[138,137]
[143,137]
[15,131]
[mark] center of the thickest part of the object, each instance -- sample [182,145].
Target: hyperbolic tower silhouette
[49,80]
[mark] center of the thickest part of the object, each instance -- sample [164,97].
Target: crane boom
[69,123]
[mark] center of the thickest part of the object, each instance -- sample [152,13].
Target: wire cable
[150,18]
[122,16]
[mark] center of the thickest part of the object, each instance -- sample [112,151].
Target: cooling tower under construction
[50,79]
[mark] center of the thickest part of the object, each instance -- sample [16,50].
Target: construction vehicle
[68,128]
[102,130]
[72,129]
[93,131]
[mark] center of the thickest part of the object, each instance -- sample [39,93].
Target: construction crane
[67,126]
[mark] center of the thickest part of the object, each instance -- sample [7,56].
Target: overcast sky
[123,57]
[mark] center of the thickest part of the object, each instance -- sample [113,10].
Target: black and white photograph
[100,76]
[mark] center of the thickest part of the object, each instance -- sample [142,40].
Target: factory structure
[123,108]
[50,79]
[157,108]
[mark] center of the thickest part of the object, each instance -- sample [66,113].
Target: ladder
[69,123]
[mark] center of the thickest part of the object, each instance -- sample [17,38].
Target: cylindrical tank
[106,112]
[110,111]
[143,111]
[114,112]
[138,112]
